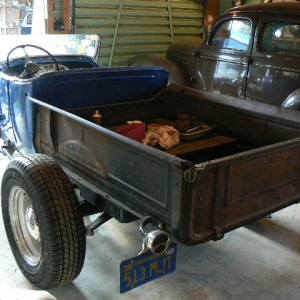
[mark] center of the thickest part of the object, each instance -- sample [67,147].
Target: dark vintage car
[252,52]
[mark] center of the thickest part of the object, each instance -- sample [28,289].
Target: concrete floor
[259,262]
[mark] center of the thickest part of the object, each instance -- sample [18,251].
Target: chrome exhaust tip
[157,241]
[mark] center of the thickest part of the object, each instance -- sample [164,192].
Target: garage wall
[9,17]
[131,27]
[226,4]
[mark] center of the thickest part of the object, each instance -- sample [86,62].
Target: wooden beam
[65,17]
[211,12]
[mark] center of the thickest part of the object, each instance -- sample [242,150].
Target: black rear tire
[43,221]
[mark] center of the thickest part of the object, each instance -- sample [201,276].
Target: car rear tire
[43,221]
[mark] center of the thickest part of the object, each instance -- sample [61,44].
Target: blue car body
[81,82]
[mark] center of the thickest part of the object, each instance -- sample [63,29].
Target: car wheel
[43,221]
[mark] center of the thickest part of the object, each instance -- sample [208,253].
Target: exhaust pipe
[157,241]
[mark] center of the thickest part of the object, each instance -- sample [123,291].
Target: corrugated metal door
[131,27]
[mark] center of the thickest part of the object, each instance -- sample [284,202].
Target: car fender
[177,74]
[293,100]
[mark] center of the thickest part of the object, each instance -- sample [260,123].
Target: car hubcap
[24,225]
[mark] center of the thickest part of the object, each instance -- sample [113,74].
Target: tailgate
[235,190]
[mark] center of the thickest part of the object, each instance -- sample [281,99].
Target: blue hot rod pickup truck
[122,143]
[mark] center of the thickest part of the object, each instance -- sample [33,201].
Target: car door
[222,62]
[275,70]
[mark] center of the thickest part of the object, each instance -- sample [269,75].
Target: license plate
[146,267]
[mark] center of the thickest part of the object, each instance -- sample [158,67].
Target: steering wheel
[30,67]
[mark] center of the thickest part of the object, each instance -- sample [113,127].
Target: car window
[232,34]
[29,19]
[282,37]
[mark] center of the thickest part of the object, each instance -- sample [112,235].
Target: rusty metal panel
[259,183]
[233,191]
[256,184]
[203,204]
[132,27]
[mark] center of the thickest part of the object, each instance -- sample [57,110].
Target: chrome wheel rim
[24,225]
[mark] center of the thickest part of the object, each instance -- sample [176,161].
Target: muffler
[157,241]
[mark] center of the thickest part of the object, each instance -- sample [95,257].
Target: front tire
[43,221]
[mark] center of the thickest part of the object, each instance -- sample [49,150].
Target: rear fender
[292,101]
[177,74]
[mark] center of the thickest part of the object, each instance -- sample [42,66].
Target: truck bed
[246,168]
